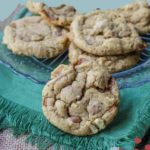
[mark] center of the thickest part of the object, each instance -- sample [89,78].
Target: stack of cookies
[107,38]
[81,98]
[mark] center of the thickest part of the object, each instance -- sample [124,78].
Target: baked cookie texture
[35,7]
[61,15]
[59,70]
[31,36]
[112,63]
[80,100]
[105,34]
[137,13]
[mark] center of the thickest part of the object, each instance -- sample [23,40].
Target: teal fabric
[20,109]
[21,102]
[20,90]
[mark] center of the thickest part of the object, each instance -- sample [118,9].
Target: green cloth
[20,109]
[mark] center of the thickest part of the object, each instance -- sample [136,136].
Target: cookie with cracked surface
[80,100]
[112,63]
[105,34]
[61,15]
[31,36]
[137,13]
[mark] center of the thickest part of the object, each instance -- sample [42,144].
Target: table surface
[7,6]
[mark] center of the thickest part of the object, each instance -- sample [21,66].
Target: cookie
[105,34]
[112,63]
[137,13]
[35,7]
[61,68]
[80,100]
[31,36]
[61,15]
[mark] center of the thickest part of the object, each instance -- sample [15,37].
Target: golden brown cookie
[112,63]
[31,36]
[80,100]
[137,13]
[105,34]
[61,15]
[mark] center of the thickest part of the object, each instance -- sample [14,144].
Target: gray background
[7,6]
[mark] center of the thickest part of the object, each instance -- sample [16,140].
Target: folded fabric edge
[141,125]
[22,121]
